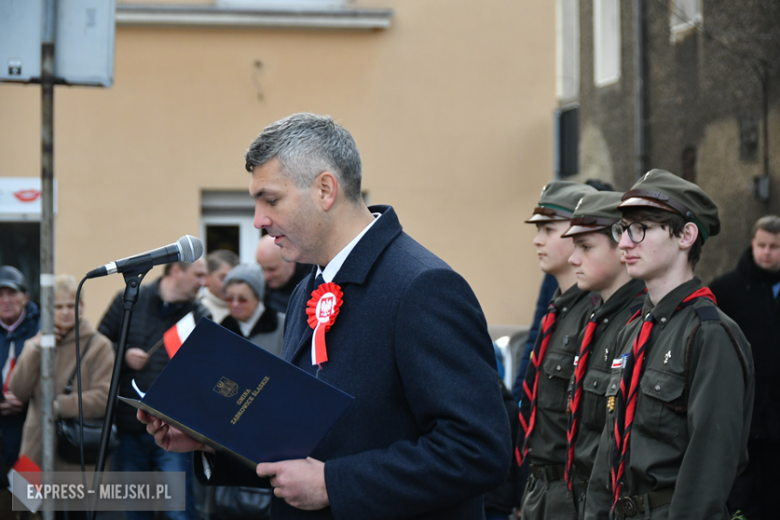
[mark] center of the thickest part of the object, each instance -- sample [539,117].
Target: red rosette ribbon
[322,310]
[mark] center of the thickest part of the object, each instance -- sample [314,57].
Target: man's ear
[176,269]
[690,233]
[327,188]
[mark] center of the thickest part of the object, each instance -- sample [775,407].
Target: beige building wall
[451,107]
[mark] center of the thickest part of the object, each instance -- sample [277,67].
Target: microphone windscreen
[191,248]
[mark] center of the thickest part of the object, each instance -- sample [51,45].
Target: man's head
[13,294]
[303,167]
[765,244]
[219,263]
[664,216]
[276,271]
[596,258]
[551,217]
[185,280]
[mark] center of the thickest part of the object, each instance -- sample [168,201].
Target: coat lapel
[354,271]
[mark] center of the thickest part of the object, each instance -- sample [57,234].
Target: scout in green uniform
[677,435]
[599,268]
[543,418]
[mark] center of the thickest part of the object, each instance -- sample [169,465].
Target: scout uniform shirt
[689,434]
[611,318]
[547,444]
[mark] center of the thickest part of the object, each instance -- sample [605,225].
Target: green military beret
[558,200]
[595,211]
[666,191]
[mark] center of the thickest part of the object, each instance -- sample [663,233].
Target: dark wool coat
[11,425]
[745,294]
[427,433]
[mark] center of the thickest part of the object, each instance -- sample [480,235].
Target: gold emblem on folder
[226,387]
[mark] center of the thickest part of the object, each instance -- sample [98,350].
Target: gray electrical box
[84,44]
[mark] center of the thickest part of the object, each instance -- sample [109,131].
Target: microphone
[187,249]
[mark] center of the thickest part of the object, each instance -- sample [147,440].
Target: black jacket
[745,294]
[151,318]
[11,425]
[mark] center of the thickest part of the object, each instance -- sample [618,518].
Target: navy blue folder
[239,399]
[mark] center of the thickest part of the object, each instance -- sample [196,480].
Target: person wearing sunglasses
[676,435]
[244,288]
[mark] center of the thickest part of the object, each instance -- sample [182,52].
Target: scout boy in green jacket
[677,434]
[543,418]
[599,268]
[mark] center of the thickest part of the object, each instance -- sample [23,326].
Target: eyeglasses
[239,299]
[636,231]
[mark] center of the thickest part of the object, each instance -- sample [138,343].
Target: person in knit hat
[244,288]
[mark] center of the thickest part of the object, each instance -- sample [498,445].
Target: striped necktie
[579,375]
[531,384]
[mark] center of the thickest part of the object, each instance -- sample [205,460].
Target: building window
[606,42]
[568,50]
[567,141]
[684,17]
[20,246]
[227,222]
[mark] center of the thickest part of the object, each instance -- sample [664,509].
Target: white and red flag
[175,336]
[27,474]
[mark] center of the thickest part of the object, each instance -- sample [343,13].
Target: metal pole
[47,237]
[640,151]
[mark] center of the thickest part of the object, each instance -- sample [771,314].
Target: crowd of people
[643,393]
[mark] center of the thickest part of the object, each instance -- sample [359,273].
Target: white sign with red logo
[22,195]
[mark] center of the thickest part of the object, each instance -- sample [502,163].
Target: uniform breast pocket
[654,417]
[594,403]
[557,369]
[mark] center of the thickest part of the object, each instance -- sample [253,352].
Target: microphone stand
[133,281]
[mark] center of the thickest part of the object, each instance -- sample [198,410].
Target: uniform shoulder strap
[710,313]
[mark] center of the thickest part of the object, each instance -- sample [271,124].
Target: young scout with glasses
[599,268]
[677,435]
[543,417]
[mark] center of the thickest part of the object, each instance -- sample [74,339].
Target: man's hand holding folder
[169,438]
[301,482]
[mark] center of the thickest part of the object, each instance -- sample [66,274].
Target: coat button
[606,320]
[566,340]
[595,384]
[558,368]
[663,320]
[614,387]
[657,387]
[565,309]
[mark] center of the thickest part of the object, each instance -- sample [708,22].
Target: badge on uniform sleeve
[322,310]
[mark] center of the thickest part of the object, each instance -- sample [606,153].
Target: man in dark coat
[427,433]
[748,295]
[19,321]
